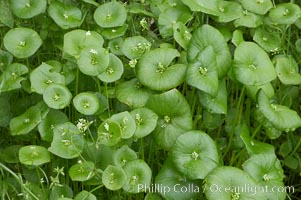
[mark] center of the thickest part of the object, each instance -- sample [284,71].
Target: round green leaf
[22,42]
[82,171]
[126,122]
[123,155]
[43,76]
[138,173]
[111,33]
[280,116]
[269,40]
[132,93]
[6,16]
[134,47]
[65,16]
[86,103]
[76,40]
[110,14]
[155,70]
[85,195]
[109,133]
[172,122]
[259,7]
[206,36]
[205,6]
[146,121]
[93,61]
[287,70]
[228,11]
[67,141]
[195,154]
[285,13]
[28,8]
[181,34]
[114,71]
[10,153]
[249,19]
[34,155]
[57,96]
[115,46]
[12,77]
[114,177]
[252,66]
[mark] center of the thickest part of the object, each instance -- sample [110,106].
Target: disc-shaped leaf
[12,77]
[228,183]
[114,71]
[34,155]
[86,103]
[93,61]
[26,122]
[146,121]
[228,11]
[181,34]
[110,14]
[28,8]
[155,70]
[280,116]
[269,40]
[65,16]
[85,195]
[138,173]
[43,76]
[172,122]
[115,46]
[115,32]
[134,47]
[114,177]
[259,7]
[57,96]
[76,40]
[195,154]
[53,118]
[22,42]
[6,16]
[67,141]
[287,70]
[123,155]
[82,171]
[285,13]
[202,73]
[109,133]
[248,19]
[252,66]
[133,93]
[205,6]
[126,122]
[217,104]
[206,36]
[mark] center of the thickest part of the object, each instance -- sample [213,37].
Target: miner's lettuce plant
[150,99]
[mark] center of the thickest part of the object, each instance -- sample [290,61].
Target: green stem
[296,148]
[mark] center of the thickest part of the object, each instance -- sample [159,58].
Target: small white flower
[107,127]
[88,33]
[93,51]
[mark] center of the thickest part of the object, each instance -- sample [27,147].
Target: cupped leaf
[93,61]
[86,103]
[115,46]
[267,88]
[5,59]
[114,177]
[269,40]
[228,11]
[202,73]
[12,77]
[65,16]
[46,126]
[259,7]
[110,14]
[285,13]
[76,40]
[115,32]
[123,155]
[280,116]
[43,76]
[195,154]
[28,8]
[205,6]
[109,133]
[287,70]
[67,141]
[146,121]
[133,93]
[114,71]
[171,182]
[22,42]
[82,171]
[138,173]
[217,104]
[155,70]
[26,122]
[229,183]
[126,122]
[248,19]
[34,155]
[85,195]
[252,66]
[172,122]
[181,34]
[57,96]
[206,36]
[134,47]
[6,16]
